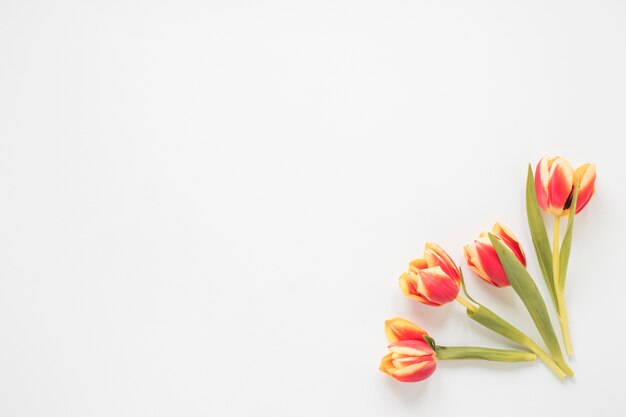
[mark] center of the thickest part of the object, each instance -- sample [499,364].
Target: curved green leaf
[566,246]
[492,321]
[539,233]
[527,290]
[496,323]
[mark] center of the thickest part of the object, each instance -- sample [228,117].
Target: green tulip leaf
[492,321]
[496,323]
[527,290]
[539,234]
[566,246]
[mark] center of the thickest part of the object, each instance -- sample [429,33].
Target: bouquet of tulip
[498,259]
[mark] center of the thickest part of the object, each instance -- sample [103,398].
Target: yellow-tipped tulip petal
[398,329]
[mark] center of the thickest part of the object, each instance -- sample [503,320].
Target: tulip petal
[415,373]
[417,264]
[411,348]
[560,185]
[436,256]
[386,363]
[404,361]
[510,240]
[436,286]
[398,329]
[491,264]
[542,175]
[473,261]
[586,176]
[408,285]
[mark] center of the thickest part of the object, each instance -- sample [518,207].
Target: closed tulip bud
[585,176]
[433,280]
[483,259]
[554,179]
[410,359]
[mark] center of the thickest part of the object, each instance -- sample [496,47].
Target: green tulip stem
[560,298]
[555,248]
[467,304]
[488,354]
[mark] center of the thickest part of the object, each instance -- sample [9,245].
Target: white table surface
[205,206]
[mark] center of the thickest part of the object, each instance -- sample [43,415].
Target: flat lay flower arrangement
[498,259]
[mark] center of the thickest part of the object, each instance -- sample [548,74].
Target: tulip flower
[409,361]
[557,187]
[483,259]
[433,280]
[555,181]
[411,358]
[413,354]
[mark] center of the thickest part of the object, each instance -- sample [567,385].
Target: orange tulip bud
[434,280]
[411,359]
[585,175]
[554,178]
[483,259]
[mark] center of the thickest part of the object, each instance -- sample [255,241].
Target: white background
[205,206]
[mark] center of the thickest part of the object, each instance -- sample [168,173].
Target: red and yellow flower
[433,280]
[411,358]
[483,259]
[555,180]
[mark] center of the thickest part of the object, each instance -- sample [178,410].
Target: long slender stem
[466,303]
[488,354]
[564,322]
[560,299]
[555,251]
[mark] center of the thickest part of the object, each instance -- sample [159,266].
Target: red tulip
[434,280]
[554,184]
[411,359]
[483,259]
